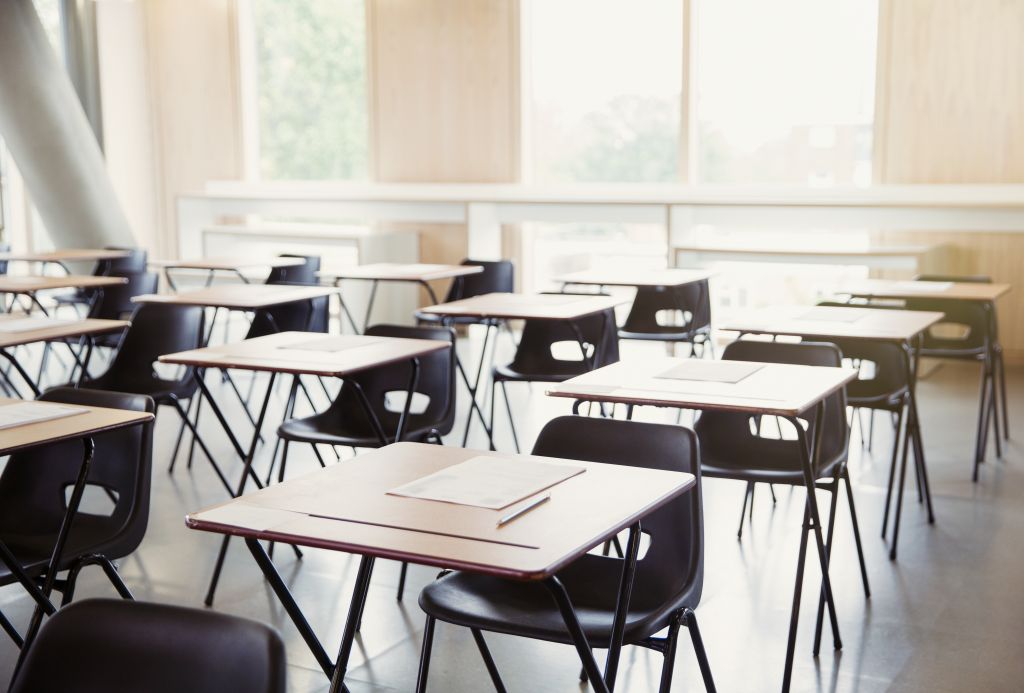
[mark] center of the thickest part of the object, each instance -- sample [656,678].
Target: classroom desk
[491,309]
[29,285]
[415,273]
[62,257]
[223,264]
[346,508]
[271,354]
[782,390]
[241,297]
[638,278]
[18,330]
[904,328]
[895,289]
[93,421]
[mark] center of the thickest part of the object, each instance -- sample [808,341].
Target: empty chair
[127,647]
[132,263]
[535,360]
[158,329]
[498,276]
[347,422]
[113,522]
[299,274]
[298,316]
[669,577]
[970,332]
[671,314]
[115,303]
[735,445]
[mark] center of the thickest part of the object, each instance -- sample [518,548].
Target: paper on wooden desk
[24,413]
[488,482]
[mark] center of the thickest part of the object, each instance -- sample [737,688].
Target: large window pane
[785,91]
[311,84]
[603,84]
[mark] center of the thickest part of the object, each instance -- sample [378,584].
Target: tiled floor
[948,616]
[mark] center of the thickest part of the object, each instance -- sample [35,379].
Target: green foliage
[311,62]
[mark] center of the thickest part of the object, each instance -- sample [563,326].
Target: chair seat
[977,354]
[572,369]
[669,334]
[465,320]
[527,609]
[891,401]
[327,428]
[721,469]
[89,535]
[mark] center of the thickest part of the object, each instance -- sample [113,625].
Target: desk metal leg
[53,566]
[21,372]
[355,610]
[474,405]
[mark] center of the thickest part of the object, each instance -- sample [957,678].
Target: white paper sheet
[331,344]
[23,413]
[488,482]
[711,371]
[30,323]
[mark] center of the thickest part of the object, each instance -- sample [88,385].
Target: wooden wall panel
[444,99]
[950,109]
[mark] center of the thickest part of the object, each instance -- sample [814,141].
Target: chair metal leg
[1001,367]
[11,631]
[576,634]
[401,581]
[797,593]
[856,533]
[485,654]
[979,450]
[508,408]
[690,621]
[743,510]
[428,645]
[900,436]
[668,664]
[899,501]
[829,536]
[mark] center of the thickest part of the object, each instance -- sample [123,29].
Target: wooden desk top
[94,420]
[402,272]
[869,251]
[345,507]
[611,277]
[54,329]
[66,255]
[353,353]
[526,306]
[891,288]
[776,389]
[227,264]
[827,322]
[240,296]
[27,284]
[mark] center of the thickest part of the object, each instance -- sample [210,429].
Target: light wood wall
[950,109]
[444,99]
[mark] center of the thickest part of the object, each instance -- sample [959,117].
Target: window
[603,82]
[309,82]
[785,91]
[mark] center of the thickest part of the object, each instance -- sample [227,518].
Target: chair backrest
[133,263]
[386,386]
[121,646]
[499,276]
[4,248]
[157,329]
[300,316]
[692,300]
[299,274]
[882,365]
[33,484]
[116,301]
[534,352]
[732,438]
[674,562]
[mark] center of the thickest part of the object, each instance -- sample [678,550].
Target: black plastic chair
[133,263]
[304,274]
[298,316]
[33,505]
[129,647]
[691,301]
[116,303]
[669,577]
[346,422]
[534,360]
[158,329]
[733,446]
[978,341]
[4,248]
